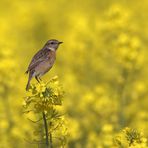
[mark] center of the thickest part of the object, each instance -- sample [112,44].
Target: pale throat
[50,48]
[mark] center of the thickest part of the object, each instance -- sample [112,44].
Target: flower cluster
[131,138]
[44,96]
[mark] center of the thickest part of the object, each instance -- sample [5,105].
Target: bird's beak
[60,42]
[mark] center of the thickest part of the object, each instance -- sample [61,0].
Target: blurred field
[102,66]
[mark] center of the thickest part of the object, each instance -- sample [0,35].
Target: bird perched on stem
[42,61]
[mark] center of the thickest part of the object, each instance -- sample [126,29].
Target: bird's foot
[38,79]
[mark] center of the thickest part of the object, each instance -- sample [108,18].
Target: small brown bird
[42,61]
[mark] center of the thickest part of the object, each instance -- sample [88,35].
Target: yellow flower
[40,87]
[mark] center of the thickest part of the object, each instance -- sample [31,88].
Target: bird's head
[53,44]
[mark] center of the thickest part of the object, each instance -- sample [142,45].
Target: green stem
[50,138]
[46,130]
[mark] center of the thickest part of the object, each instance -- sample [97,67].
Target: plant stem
[46,130]
[51,146]
[50,138]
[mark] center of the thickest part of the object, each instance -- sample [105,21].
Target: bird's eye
[52,43]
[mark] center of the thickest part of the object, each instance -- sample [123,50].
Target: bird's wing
[40,56]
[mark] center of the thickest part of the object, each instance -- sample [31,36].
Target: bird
[42,61]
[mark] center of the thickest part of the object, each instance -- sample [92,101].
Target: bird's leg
[37,78]
[40,78]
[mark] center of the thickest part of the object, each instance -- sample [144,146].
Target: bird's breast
[45,65]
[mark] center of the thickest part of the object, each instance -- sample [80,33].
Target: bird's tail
[28,83]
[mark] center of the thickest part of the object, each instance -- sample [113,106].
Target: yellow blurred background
[102,66]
